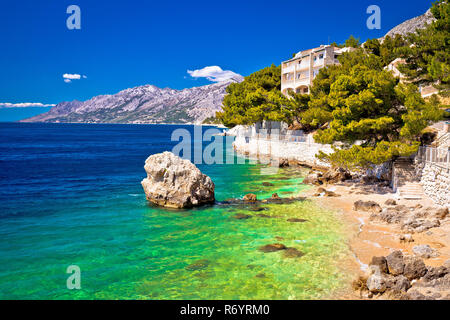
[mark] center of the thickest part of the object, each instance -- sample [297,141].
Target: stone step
[408,186]
[411,196]
[410,190]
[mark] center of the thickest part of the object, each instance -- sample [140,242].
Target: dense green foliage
[371,114]
[352,42]
[388,50]
[256,98]
[428,56]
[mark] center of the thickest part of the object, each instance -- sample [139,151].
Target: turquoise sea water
[71,195]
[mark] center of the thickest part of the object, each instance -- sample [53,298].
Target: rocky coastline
[380,228]
[385,231]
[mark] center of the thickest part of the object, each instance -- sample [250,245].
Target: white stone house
[299,72]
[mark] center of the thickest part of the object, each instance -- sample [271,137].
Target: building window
[321,56]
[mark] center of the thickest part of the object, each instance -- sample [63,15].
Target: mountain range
[143,104]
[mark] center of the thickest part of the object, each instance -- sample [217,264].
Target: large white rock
[176,183]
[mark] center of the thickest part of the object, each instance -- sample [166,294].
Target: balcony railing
[436,156]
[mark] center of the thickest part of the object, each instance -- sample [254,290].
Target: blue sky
[123,44]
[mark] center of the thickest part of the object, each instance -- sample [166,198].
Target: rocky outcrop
[176,183]
[404,277]
[313,178]
[410,219]
[331,176]
[411,25]
[335,175]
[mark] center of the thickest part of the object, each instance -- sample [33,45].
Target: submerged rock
[292,253]
[296,220]
[263,215]
[272,247]
[267,184]
[241,216]
[256,209]
[176,183]
[198,265]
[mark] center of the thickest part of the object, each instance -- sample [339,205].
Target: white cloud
[68,77]
[71,76]
[24,105]
[215,74]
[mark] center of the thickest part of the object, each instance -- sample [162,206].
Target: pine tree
[369,113]
[256,98]
[428,53]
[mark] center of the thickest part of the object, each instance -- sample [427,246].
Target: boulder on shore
[336,175]
[371,206]
[283,163]
[176,183]
[313,178]
[424,251]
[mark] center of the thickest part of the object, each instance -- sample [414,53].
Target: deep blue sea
[70,194]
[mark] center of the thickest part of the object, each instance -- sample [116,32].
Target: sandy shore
[372,238]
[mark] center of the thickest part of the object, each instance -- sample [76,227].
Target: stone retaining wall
[435,181]
[280,149]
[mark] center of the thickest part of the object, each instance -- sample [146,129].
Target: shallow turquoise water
[71,195]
